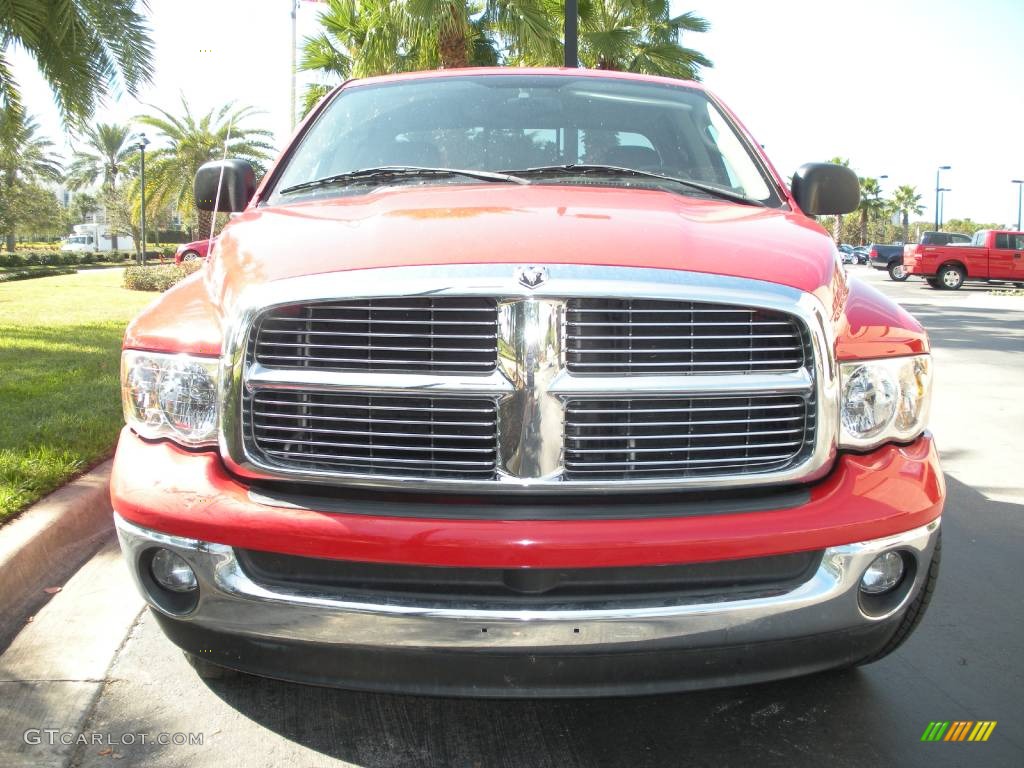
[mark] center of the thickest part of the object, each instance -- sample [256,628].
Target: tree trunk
[906,226]
[837,229]
[204,222]
[451,41]
[864,226]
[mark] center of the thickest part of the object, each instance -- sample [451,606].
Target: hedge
[10,277]
[158,278]
[38,258]
[56,258]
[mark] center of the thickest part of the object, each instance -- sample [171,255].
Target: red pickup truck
[513,382]
[991,256]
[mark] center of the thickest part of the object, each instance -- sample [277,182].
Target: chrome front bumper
[230,602]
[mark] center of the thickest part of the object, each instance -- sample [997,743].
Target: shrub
[158,278]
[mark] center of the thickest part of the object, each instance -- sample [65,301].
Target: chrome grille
[467,379]
[374,435]
[686,436]
[429,335]
[635,336]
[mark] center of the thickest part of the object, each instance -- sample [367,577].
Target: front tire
[915,611]
[898,272]
[190,256]
[951,277]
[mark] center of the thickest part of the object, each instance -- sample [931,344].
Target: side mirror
[237,186]
[825,188]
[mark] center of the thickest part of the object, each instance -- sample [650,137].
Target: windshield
[509,123]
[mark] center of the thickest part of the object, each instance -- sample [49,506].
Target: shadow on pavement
[959,665]
[975,329]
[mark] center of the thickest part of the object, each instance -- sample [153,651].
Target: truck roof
[520,71]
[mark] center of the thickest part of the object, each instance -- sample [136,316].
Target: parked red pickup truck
[512,382]
[991,256]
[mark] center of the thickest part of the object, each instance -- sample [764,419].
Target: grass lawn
[60,408]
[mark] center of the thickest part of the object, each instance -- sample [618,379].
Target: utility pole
[572,40]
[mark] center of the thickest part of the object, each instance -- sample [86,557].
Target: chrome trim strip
[230,601]
[542,471]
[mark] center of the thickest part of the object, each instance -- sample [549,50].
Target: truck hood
[474,224]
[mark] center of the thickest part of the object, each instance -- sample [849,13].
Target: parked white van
[93,237]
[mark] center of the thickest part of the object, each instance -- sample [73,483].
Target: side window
[1003,240]
[1017,242]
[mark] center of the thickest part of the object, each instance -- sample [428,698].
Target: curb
[47,543]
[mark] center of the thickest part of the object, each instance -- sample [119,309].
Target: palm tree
[83,48]
[360,38]
[190,142]
[906,201]
[640,37]
[871,205]
[25,158]
[107,155]
[837,220]
[371,37]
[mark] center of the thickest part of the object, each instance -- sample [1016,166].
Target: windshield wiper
[388,172]
[585,169]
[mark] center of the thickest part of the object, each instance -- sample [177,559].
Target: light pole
[141,142]
[942,203]
[1020,186]
[940,169]
[291,113]
[572,58]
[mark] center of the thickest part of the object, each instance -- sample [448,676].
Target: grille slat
[294,429]
[416,335]
[620,439]
[619,336]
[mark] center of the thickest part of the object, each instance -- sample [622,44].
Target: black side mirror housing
[236,188]
[826,188]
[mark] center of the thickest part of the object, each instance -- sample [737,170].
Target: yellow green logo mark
[959,730]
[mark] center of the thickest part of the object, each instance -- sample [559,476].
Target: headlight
[171,396]
[884,400]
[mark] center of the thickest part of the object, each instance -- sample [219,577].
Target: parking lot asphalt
[963,663]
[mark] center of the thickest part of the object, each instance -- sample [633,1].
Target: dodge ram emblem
[531,277]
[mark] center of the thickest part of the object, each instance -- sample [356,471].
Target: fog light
[171,572]
[884,573]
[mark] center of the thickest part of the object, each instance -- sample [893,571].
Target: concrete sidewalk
[53,673]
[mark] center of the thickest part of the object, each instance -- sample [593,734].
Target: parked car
[889,258]
[199,249]
[862,254]
[991,256]
[473,406]
[848,254]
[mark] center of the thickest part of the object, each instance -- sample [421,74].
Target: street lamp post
[141,143]
[942,204]
[940,169]
[572,58]
[1020,186]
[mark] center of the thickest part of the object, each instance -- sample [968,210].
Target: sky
[897,86]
